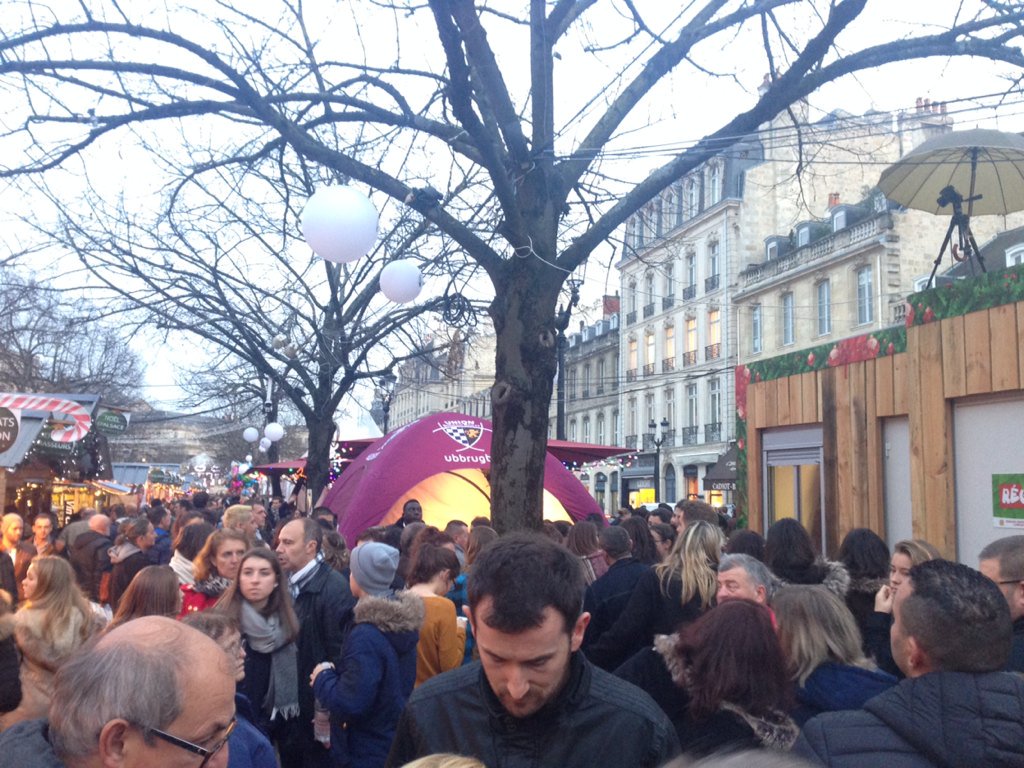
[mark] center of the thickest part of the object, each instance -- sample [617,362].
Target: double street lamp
[657,442]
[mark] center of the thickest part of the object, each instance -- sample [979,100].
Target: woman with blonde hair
[822,642]
[153,592]
[55,620]
[673,593]
[214,568]
[905,555]
[445,760]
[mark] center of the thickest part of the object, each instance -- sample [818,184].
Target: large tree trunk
[318,458]
[524,321]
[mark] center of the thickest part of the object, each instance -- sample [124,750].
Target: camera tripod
[960,223]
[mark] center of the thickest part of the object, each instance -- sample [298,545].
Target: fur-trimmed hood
[830,574]
[776,730]
[867,586]
[402,613]
[7,625]
[49,652]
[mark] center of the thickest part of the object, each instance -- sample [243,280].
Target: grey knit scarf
[266,635]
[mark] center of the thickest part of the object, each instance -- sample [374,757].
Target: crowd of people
[236,633]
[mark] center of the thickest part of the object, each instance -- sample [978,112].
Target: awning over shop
[565,451]
[130,474]
[28,431]
[108,487]
[722,475]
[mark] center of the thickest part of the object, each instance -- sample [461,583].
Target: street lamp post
[386,392]
[658,441]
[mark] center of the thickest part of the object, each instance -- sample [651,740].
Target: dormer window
[803,236]
[1015,256]
[838,219]
[771,250]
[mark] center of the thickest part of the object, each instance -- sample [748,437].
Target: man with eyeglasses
[1003,562]
[152,692]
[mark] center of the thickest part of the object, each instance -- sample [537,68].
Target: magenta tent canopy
[443,461]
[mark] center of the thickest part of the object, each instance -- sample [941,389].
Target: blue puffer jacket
[834,687]
[368,690]
[248,746]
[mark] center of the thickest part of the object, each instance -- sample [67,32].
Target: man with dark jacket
[533,698]
[1003,562]
[90,556]
[606,598]
[951,636]
[160,553]
[323,605]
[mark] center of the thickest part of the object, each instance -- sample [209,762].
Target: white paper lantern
[400,281]
[273,432]
[265,444]
[339,223]
[243,468]
[251,434]
[248,458]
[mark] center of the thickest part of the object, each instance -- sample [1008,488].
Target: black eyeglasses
[1010,581]
[195,749]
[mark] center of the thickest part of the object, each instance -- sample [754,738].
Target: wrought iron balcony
[631,374]
[668,365]
[600,389]
[713,432]
[631,317]
[648,310]
[712,351]
[631,442]
[689,292]
[689,358]
[648,369]
[689,435]
[586,392]
[667,302]
[711,283]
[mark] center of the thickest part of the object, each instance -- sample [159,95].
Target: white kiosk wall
[988,439]
[899,523]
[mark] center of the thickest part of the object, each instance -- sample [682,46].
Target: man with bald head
[90,557]
[152,692]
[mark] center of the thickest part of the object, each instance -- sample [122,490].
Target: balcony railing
[711,283]
[712,351]
[713,432]
[689,358]
[648,369]
[631,317]
[600,389]
[689,435]
[668,365]
[862,231]
[667,302]
[572,394]
[689,292]
[648,310]
[631,442]
[631,374]
[899,313]
[586,392]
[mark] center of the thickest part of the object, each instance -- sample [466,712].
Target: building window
[670,279]
[771,250]
[691,334]
[586,380]
[803,236]
[600,429]
[691,269]
[691,405]
[670,405]
[714,185]
[838,220]
[649,357]
[692,198]
[633,360]
[1015,257]
[714,327]
[679,204]
[713,259]
[586,429]
[865,296]
[601,383]
[648,408]
[824,308]
[631,415]
[714,400]
[755,328]
[787,318]
[615,428]
[570,384]
[670,342]
[572,430]
[658,224]
[631,297]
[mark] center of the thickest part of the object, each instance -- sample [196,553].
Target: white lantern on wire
[339,223]
[273,432]
[401,281]
[251,434]
[265,444]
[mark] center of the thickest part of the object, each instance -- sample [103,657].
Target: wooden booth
[913,431]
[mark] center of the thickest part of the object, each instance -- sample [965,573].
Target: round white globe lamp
[273,432]
[339,223]
[401,281]
[251,434]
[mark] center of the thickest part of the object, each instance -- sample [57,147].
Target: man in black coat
[90,557]
[323,605]
[606,598]
[951,636]
[1003,562]
[533,699]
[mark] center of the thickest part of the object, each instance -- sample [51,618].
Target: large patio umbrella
[980,167]
[981,163]
[444,461]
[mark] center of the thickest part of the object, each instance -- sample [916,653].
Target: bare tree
[50,345]
[400,107]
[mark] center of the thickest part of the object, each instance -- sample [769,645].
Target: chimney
[920,103]
[610,305]
[833,199]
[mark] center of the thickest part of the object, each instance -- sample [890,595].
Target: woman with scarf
[260,602]
[128,555]
[55,620]
[215,568]
[187,546]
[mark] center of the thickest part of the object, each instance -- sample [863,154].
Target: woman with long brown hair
[215,568]
[55,620]
[153,592]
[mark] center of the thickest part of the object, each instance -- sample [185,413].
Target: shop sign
[110,422]
[10,423]
[1008,501]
